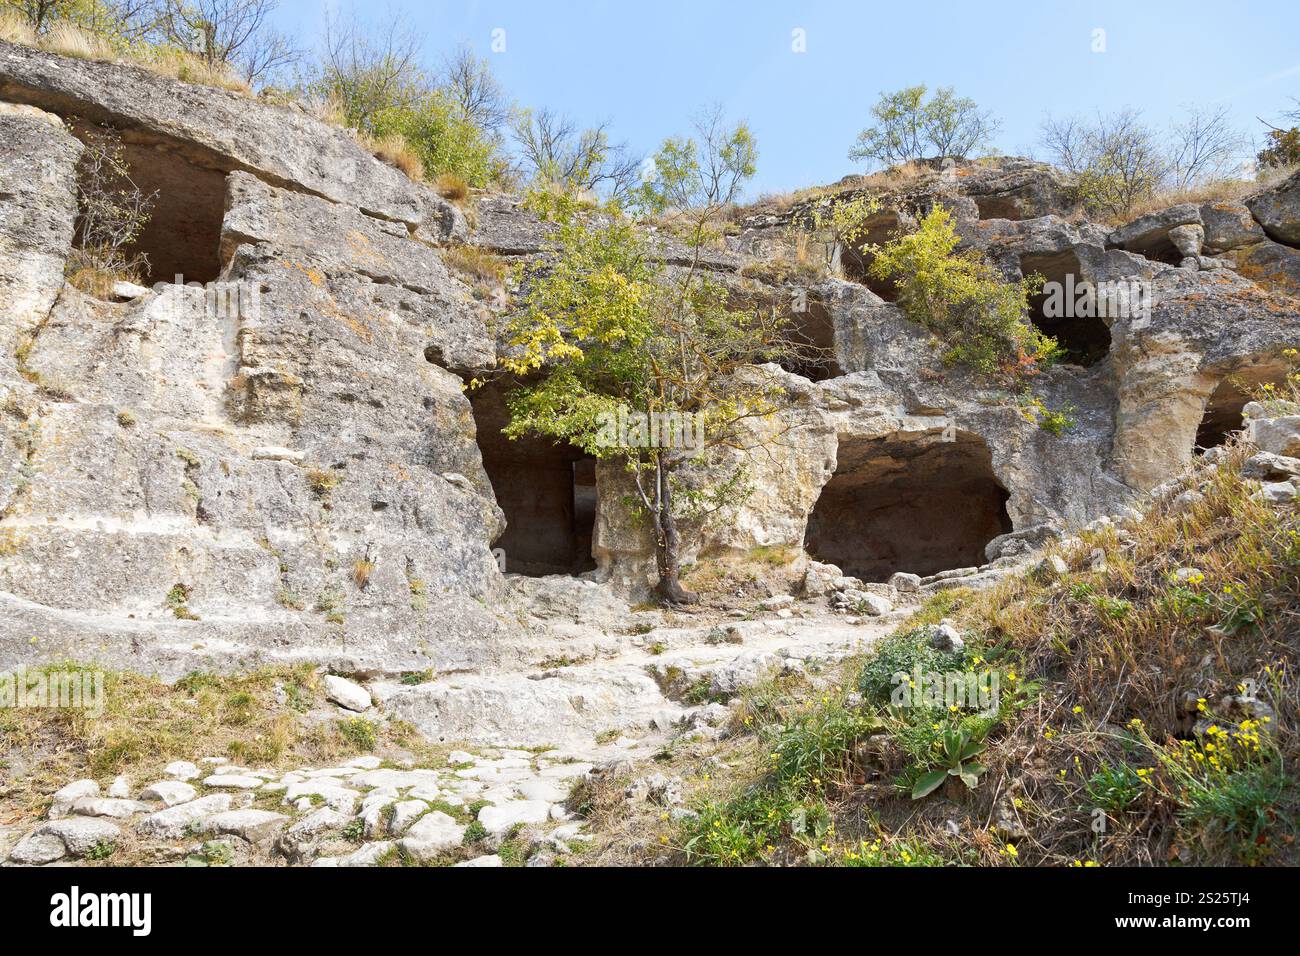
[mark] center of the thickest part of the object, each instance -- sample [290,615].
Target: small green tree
[908,127]
[1282,149]
[704,172]
[1282,144]
[1116,159]
[555,152]
[443,136]
[966,302]
[609,336]
[373,79]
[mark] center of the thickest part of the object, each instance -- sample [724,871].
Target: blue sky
[647,66]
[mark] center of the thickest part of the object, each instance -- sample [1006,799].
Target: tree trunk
[668,543]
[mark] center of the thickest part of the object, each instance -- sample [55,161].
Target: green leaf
[971,749]
[928,783]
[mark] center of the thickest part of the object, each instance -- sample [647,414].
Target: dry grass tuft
[14,29]
[394,150]
[452,188]
[87,271]
[1221,190]
[188,68]
[483,271]
[67,39]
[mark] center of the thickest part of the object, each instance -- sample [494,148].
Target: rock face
[143,523]
[276,459]
[222,131]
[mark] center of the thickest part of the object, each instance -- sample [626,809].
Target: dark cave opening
[908,502]
[811,334]
[1223,409]
[546,489]
[855,260]
[183,233]
[1065,310]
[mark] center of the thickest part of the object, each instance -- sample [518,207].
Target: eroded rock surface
[279,461]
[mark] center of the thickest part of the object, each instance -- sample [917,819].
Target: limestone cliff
[301,476]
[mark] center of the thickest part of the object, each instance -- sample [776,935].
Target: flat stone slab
[52,841]
[175,821]
[255,826]
[233,781]
[109,807]
[432,835]
[500,818]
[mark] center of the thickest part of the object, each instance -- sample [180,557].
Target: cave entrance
[183,234]
[855,261]
[908,502]
[1223,409]
[1084,337]
[546,489]
[811,333]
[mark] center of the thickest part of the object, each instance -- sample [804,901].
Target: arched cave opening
[546,489]
[183,233]
[908,502]
[1223,409]
[1065,310]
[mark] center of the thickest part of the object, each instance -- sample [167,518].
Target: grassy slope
[1091,757]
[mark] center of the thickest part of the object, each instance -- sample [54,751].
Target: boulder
[944,637]
[346,693]
[62,801]
[1277,210]
[81,835]
[1270,265]
[1277,436]
[1227,226]
[1151,235]
[499,818]
[255,826]
[1267,466]
[176,821]
[904,582]
[118,809]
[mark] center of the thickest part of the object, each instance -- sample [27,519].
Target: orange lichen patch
[1273,277]
[399,471]
[315,277]
[362,248]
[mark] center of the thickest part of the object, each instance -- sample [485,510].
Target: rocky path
[512,746]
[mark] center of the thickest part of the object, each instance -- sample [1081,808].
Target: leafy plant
[1114,788]
[958,749]
[212,853]
[902,654]
[361,733]
[965,301]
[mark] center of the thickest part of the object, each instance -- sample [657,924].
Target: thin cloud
[1260,84]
